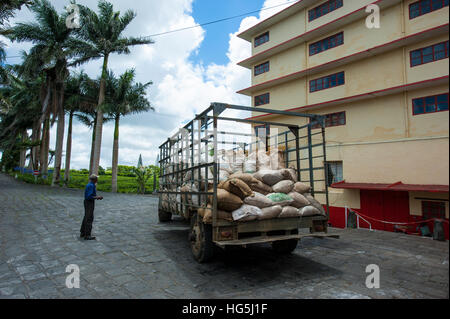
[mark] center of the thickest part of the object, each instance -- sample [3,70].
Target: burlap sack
[302,188]
[165,202]
[221,215]
[246,213]
[262,188]
[289,174]
[227,201]
[300,201]
[277,160]
[316,204]
[223,175]
[259,200]
[289,212]
[270,212]
[281,199]
[263,161]
[238,188]
[245,177]
[283,187]
[269,177]
[250,163]
[309,211]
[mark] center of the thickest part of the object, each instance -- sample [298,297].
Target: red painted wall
[383,205]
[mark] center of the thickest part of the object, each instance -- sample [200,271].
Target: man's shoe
[90,238]
[82,235]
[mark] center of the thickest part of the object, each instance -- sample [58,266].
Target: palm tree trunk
[91,162]
[68,150]
[99,128]
[23,151]
[36,150]
[59,135]
[45,145]
[115,155]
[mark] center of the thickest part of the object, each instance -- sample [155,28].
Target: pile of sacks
[267,194]
[254,186]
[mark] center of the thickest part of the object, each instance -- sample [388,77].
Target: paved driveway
[135,257]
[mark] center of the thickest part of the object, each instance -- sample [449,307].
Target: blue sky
[215,45]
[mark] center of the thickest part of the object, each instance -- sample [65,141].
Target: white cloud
[181,87]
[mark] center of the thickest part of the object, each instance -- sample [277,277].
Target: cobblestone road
[135,257]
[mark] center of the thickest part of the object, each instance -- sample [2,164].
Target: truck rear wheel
[164,217]
[285,246]
[200,237]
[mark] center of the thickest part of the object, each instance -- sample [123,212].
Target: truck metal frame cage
[192,156]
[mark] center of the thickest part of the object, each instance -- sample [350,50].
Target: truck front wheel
[200,237]
[285,246]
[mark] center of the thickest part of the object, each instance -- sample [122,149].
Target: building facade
[384,92]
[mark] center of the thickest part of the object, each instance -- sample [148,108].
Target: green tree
[77,100]
[123,97]
[54,50]
[102,35]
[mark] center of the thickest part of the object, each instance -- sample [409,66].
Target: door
[386,206]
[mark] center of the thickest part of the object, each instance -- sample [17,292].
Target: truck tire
[164,217]
[200,237]
[285,247]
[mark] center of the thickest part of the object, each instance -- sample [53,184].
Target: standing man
[90,196]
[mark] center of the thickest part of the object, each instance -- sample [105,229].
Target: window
[335,172]
[261,39]
[331,120]
[262,99]
[429,54]
[422,7]
[324,9]
[262,68]
[430,104]
[432,210]
[327,82]
[326,44]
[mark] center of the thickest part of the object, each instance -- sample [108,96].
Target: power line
[204,24]
[219,20]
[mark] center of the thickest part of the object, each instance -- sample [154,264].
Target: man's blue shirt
[90,191]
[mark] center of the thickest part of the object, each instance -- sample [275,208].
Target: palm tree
[21,97]
[52,53]
[77,100]
[124,97]
[103,35]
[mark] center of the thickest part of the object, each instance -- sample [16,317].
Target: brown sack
[290,174]
[246,178]
[302,188]
[262,188]
[269,177]
[316,204]
[221,215]
[300,201]
[289,212]
[309,211]
[270,212]
[259,200]
[283,187]
[238,188]
[227,201]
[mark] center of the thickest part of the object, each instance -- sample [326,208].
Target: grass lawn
[126,184]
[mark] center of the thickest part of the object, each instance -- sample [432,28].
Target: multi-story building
[384,92]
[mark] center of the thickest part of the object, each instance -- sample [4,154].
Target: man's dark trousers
[86,226]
